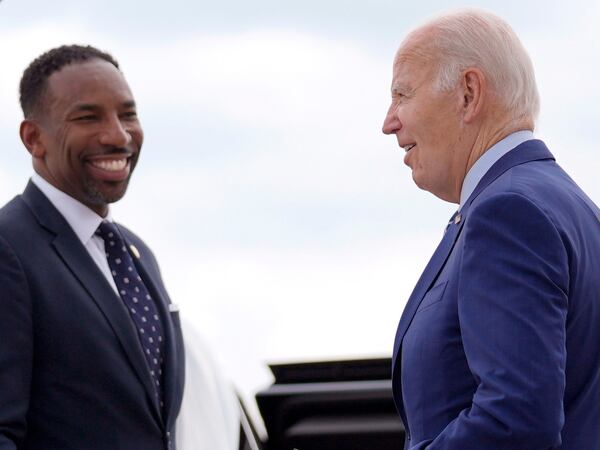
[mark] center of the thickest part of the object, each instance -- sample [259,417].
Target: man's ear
[30,133]
[473,88]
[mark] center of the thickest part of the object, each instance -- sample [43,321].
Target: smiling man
[91,353]
[499,345]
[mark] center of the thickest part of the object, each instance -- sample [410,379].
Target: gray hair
[476,38]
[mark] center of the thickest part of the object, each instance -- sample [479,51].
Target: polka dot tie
[138,301]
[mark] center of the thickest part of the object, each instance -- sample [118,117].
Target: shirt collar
[488,159]
[80,218]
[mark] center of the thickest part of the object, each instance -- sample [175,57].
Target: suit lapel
[171,385]
[428,276]
[532,150]
[77,259]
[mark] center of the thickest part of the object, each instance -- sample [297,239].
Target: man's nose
[391,123]
[115,133]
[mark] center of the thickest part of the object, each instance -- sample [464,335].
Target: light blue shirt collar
[488,159]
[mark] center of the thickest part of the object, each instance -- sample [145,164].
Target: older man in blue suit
[499,344]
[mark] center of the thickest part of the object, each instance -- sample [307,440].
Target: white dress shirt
[488,159]
[82,220]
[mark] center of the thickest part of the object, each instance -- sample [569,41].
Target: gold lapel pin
[134,250]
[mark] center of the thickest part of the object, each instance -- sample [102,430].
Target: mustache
[111,151]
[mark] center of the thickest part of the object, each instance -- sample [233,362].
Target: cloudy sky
[286,225]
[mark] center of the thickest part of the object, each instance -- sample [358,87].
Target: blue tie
[138,301]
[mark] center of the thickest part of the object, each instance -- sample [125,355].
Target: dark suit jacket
[499,344]
[72,372]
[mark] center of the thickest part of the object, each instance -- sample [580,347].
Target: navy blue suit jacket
[499,344]
[72,372]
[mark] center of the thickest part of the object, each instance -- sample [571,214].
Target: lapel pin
[134,250]
[457,219]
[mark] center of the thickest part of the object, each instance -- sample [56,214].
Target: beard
[103,193]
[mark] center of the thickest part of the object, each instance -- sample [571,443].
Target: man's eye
[84,118]
[130,114]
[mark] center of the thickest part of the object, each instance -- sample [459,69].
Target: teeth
[408,147]
[110,165]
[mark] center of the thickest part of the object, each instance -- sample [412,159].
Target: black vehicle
[331,405]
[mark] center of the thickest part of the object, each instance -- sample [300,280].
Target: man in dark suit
[91,353]
[499,344]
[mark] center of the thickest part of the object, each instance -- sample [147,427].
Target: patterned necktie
[138,301]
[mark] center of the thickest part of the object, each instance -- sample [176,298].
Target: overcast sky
[286,225]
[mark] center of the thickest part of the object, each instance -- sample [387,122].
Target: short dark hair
[35,78]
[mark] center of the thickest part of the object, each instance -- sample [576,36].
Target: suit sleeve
[16,348]
[512,306]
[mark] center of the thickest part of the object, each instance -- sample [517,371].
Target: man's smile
[115,167]
[408,149]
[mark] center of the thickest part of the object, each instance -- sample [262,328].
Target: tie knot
[109,232]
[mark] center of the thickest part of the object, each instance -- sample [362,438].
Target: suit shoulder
[508,205]
[11,266]
[16,219]
[547,186]
[12,211]
[559,218]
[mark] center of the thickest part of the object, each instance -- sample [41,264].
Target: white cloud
[268,79]
[567,71]
[20,46]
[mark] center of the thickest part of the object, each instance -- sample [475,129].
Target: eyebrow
[84,107]
[401,88]
[81,107]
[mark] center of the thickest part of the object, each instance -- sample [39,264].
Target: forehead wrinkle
[412,56]
[418,47]
[414,64]
[410,72]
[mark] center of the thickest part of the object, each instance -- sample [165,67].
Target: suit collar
[78,260]
[533,150]
[488,159]
[80,218]
[43,210]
